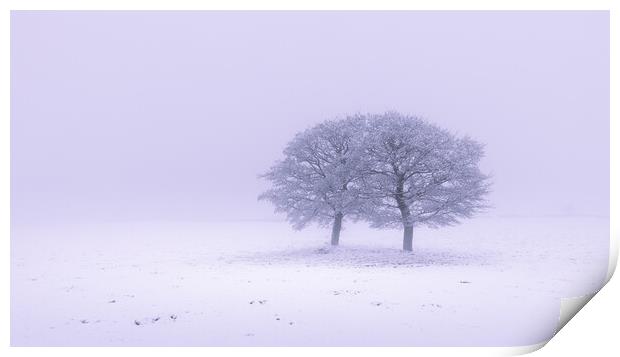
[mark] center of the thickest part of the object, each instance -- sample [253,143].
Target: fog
[173,115]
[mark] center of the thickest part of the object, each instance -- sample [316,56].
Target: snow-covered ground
[488,282]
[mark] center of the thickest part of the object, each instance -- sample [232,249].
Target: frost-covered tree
[318,179]
[420,174]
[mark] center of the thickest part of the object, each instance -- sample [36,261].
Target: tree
[417,173]
[318,179]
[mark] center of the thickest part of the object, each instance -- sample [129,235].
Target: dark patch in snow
[173,317]
[465,282]
[84,321]
[112,302]
[347,292]
[150,320]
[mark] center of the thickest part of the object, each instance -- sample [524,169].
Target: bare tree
[318,179]
[417,173]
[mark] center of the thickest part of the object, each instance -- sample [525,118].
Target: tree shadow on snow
[363,257]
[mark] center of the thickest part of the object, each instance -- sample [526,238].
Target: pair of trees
[389,169]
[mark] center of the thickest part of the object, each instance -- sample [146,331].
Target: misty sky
[172,115]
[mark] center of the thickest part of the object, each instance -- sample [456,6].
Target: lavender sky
[172,115]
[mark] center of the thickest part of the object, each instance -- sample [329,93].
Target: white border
[599,327]
[310,5]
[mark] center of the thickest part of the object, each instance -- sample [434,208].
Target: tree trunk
[405,213]
[408,238]
[336,229]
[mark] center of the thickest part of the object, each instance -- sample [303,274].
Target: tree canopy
[319,178]
[390,169]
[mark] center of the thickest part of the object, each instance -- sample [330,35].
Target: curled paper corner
[523,350]
[613,256]
[569,307]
